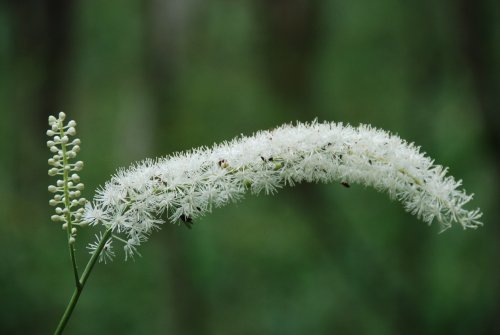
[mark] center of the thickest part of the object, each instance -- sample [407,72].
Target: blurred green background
[147,78]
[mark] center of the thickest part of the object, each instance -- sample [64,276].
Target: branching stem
[81,283]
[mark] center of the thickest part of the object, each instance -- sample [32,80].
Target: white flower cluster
[107,253]
[67,190]
[187,185]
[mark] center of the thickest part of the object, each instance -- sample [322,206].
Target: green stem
[81,283]
[67,205]
[69,310]
[95,256]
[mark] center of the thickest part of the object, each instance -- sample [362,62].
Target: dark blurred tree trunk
[478,26]
[187,299]
[38,54]
[426,62]
[290,31]
[42,33]
[165,31]
[59,44]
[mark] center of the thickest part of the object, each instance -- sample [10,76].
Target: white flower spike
[187,185]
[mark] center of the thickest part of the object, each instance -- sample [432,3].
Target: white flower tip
[52,120]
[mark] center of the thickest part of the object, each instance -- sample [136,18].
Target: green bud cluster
[67,190]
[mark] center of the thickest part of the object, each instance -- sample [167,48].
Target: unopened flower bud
[78,166]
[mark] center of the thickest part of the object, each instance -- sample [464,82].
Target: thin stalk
[81,284]
[67,205]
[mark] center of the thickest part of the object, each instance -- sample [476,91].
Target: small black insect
[155,178]
[222,163]
[263,159]
[345,184]
[188,221]
[370,161]
[186,218]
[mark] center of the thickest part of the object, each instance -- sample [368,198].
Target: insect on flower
[188,221]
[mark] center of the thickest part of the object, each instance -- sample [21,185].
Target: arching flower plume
[187,185]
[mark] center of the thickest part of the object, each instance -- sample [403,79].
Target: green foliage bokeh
[146,79]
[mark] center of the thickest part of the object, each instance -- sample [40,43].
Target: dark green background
[147,78]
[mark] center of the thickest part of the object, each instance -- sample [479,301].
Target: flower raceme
[67,191]
[187,185]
